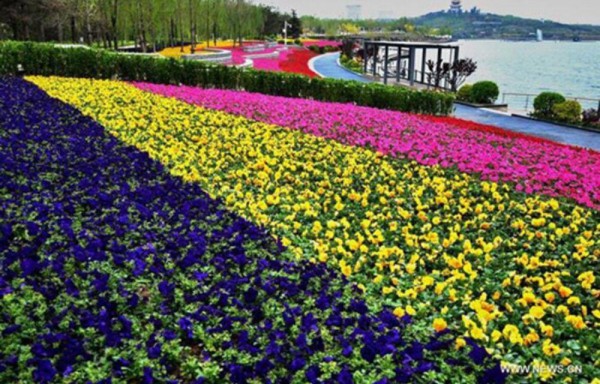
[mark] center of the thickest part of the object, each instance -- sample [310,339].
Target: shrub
[484,92]
[591,117]
[544,102]
[46,60]
[464,93]
[567,112]
[298,42]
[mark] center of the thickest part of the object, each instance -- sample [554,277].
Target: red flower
[297,62]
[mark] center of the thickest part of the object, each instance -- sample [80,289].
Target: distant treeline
[147,23]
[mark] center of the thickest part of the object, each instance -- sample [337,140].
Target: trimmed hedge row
[46,59]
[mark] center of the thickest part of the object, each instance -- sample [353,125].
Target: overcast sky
[569,11]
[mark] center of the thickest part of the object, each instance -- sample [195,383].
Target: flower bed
[536,165]
[112,268]
[297,62]
[514,272]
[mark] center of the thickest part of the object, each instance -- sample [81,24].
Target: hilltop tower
[455,7]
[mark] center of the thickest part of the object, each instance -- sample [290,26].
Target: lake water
[570,68]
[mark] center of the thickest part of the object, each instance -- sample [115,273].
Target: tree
[349,28]
[460,70]
[437,71]
[272,21]
[295,25]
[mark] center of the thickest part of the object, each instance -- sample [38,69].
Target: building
[354,11]
[455,6]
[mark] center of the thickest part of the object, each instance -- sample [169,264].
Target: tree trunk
[142,30]
[73,30]
[59,28]
[88,28]
[172,34]
[208,25]
[113,23]
[192,27]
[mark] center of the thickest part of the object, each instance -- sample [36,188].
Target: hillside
[490,26]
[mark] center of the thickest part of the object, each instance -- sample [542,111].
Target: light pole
[285,27]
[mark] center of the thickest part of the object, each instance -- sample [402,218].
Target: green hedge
[46,59]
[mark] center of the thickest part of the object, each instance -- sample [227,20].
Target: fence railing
[526,100]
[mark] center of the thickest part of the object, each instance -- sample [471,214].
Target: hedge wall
[46,59]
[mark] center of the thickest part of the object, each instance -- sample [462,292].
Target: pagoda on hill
[455,7]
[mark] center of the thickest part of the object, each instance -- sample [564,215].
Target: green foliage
[544,103]
[47,60]
[464,93]
[351,64]
[567,112]
[484,92]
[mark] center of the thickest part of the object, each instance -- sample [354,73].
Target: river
[570,68]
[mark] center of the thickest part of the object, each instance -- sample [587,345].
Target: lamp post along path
[286,25]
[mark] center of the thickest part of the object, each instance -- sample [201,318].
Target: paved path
[549,131]
[327,66]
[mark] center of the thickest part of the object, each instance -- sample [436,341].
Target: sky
[567,11]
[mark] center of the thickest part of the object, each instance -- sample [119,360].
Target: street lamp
[20,70]
[285,27]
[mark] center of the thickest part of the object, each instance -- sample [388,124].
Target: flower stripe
[535,165]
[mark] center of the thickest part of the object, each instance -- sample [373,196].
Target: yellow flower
[439,324]
[576,321]
[550,349]
[587,279]
[547,330]
[410,310]
[565,291]
[346,270]
[387,290]
[531,338]
[399,312]
[496,335]
[460,342]
[537,312]
[477,333]
[538,222]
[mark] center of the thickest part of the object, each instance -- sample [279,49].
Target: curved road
[327,66]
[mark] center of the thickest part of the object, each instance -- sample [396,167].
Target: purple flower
[166,289]
[297,364]
[312,374]
[345,376]
[44,372]
[148,376]
[186,326]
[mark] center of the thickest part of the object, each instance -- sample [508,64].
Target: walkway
[558,133]
[327,66]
